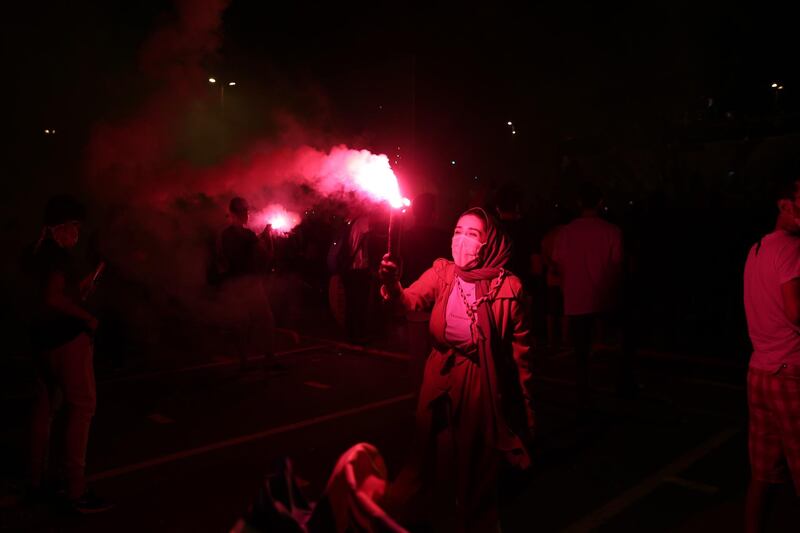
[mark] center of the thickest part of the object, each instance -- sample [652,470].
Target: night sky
[623,72]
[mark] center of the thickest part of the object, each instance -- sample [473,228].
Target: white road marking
[244,439]
[692,485]
[158,418]
[317,384]
[218,362]
[614,507]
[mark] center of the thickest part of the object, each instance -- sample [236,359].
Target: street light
[213,81]
[513,129]
[777,87]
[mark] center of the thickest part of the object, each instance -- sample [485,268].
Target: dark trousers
[358,308]
[65,377]
[583,330]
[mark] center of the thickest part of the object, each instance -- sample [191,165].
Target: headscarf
[494,255]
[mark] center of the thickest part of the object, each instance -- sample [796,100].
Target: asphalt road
[185,449]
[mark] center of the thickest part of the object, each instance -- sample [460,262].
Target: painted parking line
[218,362]
[158,418]
[714,383]
[387,354]
[603,514]
[316,385]
[692,485]
[244,439]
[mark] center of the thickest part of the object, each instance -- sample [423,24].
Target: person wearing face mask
[63,357]
[474,407]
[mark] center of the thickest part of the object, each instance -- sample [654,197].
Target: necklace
[472,308]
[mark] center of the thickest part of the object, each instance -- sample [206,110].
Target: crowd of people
[467,301]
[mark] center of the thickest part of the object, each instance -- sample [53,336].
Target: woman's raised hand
[389,271]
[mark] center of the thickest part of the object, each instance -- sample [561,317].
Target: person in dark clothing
[246,258]
[423,242]
[357,280]
[507,204]
[420,246]
[63,358]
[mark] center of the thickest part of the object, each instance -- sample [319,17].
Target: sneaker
[90,503]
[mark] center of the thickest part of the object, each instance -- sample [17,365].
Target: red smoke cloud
[166,208]
[139,160]
[131,156]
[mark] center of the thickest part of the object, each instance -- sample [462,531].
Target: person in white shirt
[588,253]
[772,307]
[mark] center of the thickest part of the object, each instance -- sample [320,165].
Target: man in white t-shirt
[588,254]
[772,306]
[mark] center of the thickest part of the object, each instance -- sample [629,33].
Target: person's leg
[78,383]
[44,409]
[264,329]
[755,505]
[350,304]
[580,328]
[767,461]
[613,326]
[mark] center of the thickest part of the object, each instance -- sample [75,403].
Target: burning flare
[281,220]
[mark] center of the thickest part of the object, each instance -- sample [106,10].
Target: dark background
[667,105]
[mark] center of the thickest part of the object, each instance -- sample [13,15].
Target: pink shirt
[776,341]
[588,252]
[458,326]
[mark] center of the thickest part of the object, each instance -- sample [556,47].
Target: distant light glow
[280,220]
[212,80]
[453,162]
[510,123]
[774,85]
[232,83]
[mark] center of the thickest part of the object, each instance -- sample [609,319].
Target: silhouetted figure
[246,258]
[520,231]
[423,242]
[772,306]
[589,256]
[62,340]
[557,324]
[420,246]
[357,280]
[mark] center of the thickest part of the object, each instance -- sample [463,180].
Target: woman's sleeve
[522,352]
[420,296]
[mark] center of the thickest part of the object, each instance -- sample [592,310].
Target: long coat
[457,447]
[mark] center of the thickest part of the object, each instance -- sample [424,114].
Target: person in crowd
[588,254]
[420,246]
[246,259]
[357,280]
[63,356]
[475,403]
[772,308]
[423,242]
[519,231]
[556,322]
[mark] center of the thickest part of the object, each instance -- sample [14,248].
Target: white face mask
[465,249]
